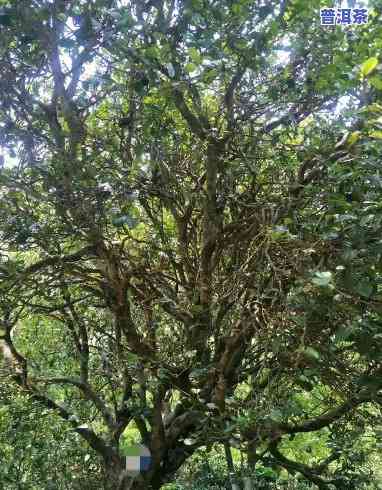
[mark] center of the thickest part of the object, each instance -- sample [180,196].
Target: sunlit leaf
[353,137]
[368,66]
[376,134]
[190,67]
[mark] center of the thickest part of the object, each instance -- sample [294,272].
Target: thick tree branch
[305,470]
[87,391]
[329,417]
[193,122]
[57,259]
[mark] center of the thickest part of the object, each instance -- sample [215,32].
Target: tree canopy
[190,228]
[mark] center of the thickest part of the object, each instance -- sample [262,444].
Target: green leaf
[197,309]
[152,52]
[195,56]
[276,415]
[349,254]
[369,381]
[376,82]
[344,333]
[368,66]
[141,85]
[376,134]
[190,67]
[163,374]
[311,354]
[198,373]
[236,8]
[263,377]
[364,288]
[5,18]
[127,220]
[305,383]
[353,138]
[322,278]
[209,75]
[126,21]
[189,442]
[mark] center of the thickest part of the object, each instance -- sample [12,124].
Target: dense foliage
[190,240]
